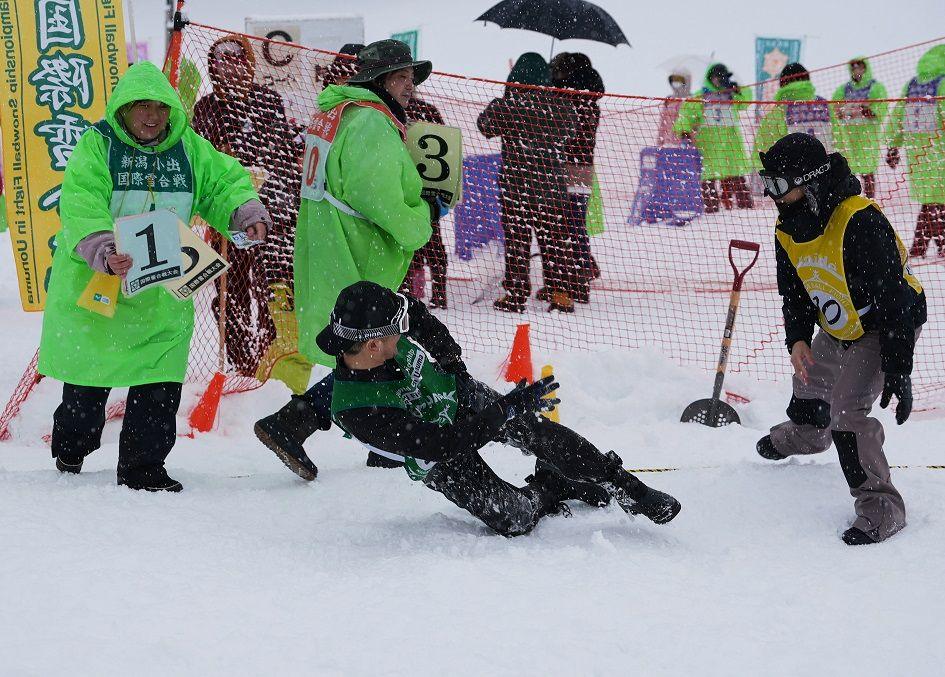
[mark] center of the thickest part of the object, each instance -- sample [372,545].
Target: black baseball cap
[363,311]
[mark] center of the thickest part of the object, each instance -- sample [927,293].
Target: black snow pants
[148,431]
[470,483]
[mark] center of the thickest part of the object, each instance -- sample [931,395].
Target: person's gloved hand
[454,366]
[899,385]
[438,208]
[526,399]
[892,157]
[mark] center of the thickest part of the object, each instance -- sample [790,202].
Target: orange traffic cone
[519,364]
[204,414]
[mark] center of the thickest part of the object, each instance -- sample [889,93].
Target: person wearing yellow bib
[841,266]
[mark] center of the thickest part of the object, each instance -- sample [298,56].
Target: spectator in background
[535,127]
[714,126]
[917,124]
[859,123]
[573,70]
[247,120]
[433,253]
[802,111]
[680,84]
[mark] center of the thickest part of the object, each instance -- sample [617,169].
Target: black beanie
[796,155]
[792,73]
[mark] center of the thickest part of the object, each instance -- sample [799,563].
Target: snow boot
[285,431]
[561,302]
[378,461]
[765,449]
[149,478]
[854,536]
[564,488]
[69,463]
[635,497]
[510,304]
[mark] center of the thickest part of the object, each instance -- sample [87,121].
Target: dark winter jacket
[873,268]
[590,88]
[400,432]
[419,110]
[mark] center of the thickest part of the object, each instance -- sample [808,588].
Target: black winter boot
[765,449]
[564,488]
[635,497]
[854,536]
[378,461]
[285,431]
[69,463]
[149,478]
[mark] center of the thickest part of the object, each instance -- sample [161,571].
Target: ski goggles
[400,324]
[778,185]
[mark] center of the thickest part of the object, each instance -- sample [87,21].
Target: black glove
[892,157]
[526,399]
[454,365]
[899,385]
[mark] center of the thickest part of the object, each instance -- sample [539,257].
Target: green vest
[143,180]
[424,391]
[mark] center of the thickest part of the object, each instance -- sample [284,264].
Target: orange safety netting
[631,221]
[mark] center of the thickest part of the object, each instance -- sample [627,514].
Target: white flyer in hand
[202,265]
[152,240]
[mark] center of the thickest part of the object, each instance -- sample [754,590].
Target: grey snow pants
[834,405]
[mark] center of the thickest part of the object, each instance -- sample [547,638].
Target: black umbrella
[561,19]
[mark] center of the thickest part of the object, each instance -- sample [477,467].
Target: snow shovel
[712,411]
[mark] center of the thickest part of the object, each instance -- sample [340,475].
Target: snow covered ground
[252,571]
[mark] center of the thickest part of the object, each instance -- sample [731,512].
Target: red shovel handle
[740,274]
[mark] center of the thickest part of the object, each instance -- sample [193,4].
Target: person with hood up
[536,128]
[859,122]
[797,108]
[680,85]
[574,71]
[142,156]
[713,124]
[361,218]
[840,265]
[918,123]
[247,120]
[434,418]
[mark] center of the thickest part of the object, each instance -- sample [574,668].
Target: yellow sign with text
[61,60]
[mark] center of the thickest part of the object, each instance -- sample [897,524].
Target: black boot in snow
[70,464]
[765,449]
[149,478]
[564,488]
[635,497]
[378,461]
[854,536]
[285,431]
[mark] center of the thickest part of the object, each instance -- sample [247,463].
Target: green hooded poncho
[110,175]
[715,127]
[918,126]
[859,137]
[369,169]
[774,125]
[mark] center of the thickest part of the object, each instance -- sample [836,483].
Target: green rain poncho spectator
[797,109]
[918,124]
[712,124]
[859,121]
[141,156]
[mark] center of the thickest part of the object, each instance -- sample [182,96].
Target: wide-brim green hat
[387,56]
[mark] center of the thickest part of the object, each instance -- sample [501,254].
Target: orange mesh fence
[619,208]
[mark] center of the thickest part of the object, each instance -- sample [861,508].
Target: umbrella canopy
[561,19]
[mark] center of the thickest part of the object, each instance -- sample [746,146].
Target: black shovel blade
[698,412]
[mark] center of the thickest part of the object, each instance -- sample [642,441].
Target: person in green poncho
[917,124]
[859,122]
[797,109]
[361,218]
[712,123]
[142,156]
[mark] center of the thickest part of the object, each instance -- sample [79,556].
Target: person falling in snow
[434,418]
[365,224]
[145,345]
[841,265]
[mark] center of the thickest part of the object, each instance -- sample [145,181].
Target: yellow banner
[61,60]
